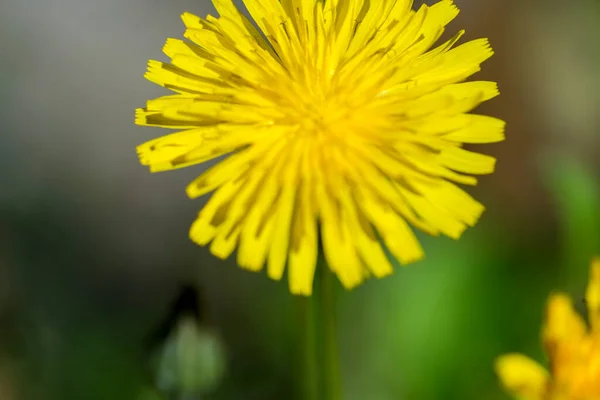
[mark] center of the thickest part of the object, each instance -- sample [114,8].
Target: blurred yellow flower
[572,348]
[339,124]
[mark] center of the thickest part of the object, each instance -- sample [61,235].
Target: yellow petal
[179,80]
[371,22]
[393,229]
[482,129]
[563,324]
[522,377]
[303,246]
[214,215]
[364,239]
[260,223]
[228,10]
[183,149]
[467,161]
[438,16]
[338,246]
[453,200]
[443,12]
[283,214]
[458,63]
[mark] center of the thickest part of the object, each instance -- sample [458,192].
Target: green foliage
[576,194]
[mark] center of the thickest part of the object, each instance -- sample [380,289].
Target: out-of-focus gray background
[93,247]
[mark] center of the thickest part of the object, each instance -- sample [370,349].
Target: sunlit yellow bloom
[339,123]
[573,349]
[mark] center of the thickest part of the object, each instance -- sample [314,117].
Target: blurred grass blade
[576,193]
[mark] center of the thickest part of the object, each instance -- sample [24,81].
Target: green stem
[308,349]
[328,311]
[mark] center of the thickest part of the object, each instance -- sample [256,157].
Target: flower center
[323,116]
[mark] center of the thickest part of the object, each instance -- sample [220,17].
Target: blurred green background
[93,248]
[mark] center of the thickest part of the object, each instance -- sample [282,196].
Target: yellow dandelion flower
[340,124]
[572,348]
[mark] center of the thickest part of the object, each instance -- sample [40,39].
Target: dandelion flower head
[573,349]
[342,126]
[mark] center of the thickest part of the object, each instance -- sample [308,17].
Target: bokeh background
[93,248]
